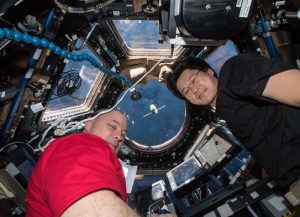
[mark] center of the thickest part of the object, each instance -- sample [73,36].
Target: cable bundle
[69,82]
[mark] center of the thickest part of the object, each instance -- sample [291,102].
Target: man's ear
[88,126]
[210,71]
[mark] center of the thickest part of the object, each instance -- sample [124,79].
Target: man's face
[198,87]
[111,126]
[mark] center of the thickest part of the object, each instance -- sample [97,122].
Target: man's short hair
[179,66]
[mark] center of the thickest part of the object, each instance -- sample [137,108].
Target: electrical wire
[79,125]
[68,83]
[81,98]
[122,97]
[56,123]
[70,95]
[20,142]
[51,98]
[44,43]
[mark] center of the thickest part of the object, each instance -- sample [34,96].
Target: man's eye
[187,90]
[194,79]
[112,126]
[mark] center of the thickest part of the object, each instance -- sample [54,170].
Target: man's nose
[118,137]
[195,89]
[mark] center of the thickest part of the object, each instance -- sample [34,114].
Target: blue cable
[49,20]
[44,43]
[201,52]
[267,36]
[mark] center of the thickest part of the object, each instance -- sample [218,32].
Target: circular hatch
[157,118]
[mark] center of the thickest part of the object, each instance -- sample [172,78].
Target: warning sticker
[244,12]
[37,107]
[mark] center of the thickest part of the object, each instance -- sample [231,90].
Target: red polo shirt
[71,168]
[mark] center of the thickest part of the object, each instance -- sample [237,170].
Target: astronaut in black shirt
[259,98]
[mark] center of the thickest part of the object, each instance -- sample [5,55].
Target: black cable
[80,98]
[71,97]
[48,100]
[53,98]
[68,83]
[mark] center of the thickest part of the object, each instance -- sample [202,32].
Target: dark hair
[179,66]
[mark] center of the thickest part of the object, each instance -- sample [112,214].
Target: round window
[157,118]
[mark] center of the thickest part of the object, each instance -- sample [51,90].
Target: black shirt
[256,120]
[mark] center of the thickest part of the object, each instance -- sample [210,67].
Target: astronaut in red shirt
[80,174]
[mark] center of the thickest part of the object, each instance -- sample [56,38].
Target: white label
[225,210]
[29,73]
[239,3]
[12,169]
[66,60]
[116,13]
[244,12]
[74,37]
[233,200]
[37,54]
[37,107]
[2,94]
[254,194]
[210,214]
[270,184]
[277,203]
